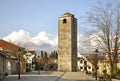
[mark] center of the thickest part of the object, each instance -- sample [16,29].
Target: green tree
[42,55]
[54,55]
[45,57]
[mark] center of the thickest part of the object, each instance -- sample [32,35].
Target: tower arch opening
[64,21]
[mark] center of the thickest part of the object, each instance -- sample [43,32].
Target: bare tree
[94,59]
[105,18]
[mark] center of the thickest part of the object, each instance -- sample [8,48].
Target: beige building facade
[67,43]
[84,64]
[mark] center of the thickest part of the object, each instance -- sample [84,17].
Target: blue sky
[38,15]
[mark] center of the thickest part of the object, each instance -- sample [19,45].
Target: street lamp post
[38,68]
[46,67]
[19,50]
[39,65]
[96,51]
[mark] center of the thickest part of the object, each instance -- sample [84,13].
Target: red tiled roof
[9,47]
[32,52]
[4,44]
[67,14]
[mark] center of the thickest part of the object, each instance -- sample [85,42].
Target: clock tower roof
[67,14]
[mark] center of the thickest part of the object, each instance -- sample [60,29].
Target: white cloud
[84,44]
[40,38]
[47,42]
[42,41]
[18,37]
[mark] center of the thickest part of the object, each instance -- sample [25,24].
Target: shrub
[118,74]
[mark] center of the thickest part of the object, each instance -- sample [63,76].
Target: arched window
[64,21]
[81,67]
[81,61]
[89,67]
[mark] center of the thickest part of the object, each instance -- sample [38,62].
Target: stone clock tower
[67,43]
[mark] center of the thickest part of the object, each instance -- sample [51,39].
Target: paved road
[51,76]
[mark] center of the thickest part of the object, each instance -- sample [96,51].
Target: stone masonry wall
[67,44]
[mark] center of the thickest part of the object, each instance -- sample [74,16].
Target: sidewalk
[76,76]
[51,76]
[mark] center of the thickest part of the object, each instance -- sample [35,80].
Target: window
[97,68]
[81,67]
[64,21]
[89,67]
[26,65]
[85,62]
[81,61]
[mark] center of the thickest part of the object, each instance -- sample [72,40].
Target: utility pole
[19,50]
[96,51]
